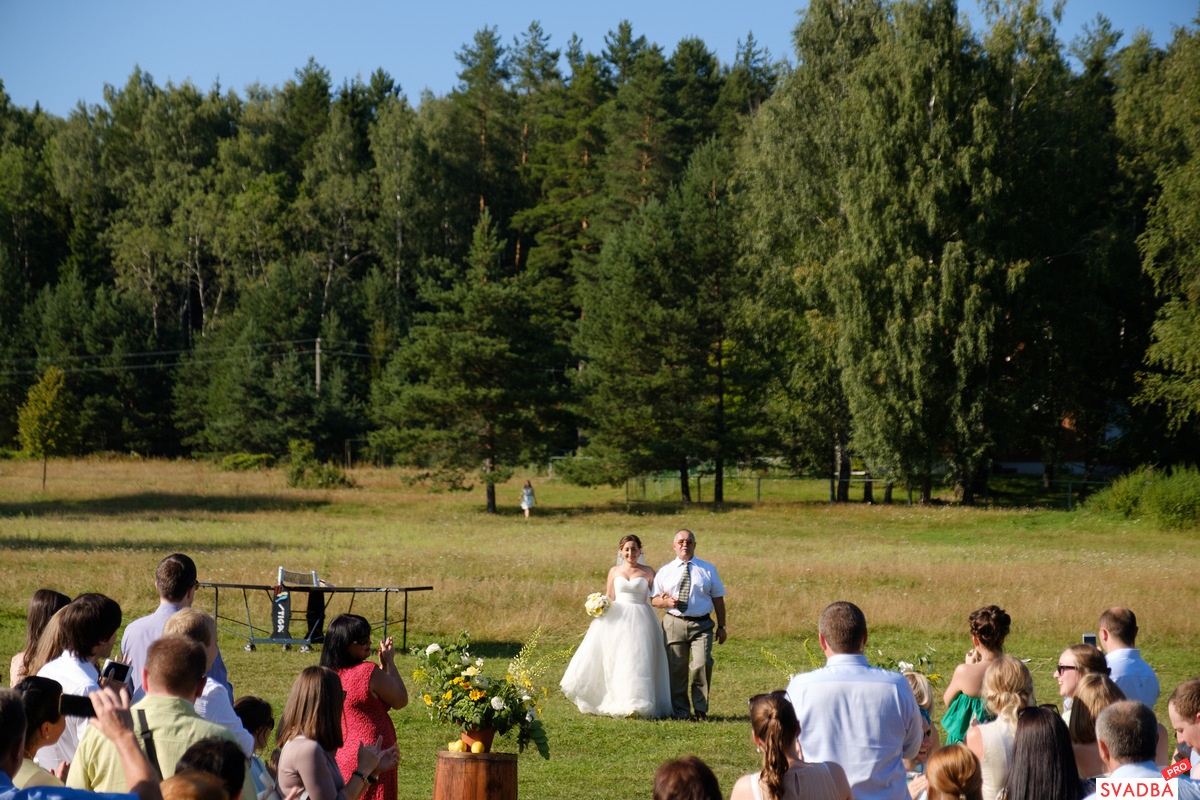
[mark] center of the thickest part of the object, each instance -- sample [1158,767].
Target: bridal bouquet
[457,691]
[597,604]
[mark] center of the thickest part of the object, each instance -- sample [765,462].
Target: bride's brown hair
[630,538]
[774,722]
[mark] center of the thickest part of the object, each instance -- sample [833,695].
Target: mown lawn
[102,525]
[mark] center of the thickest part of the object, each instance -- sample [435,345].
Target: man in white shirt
[690,590]
[1127,735]
[1118,636]
[88,630]
[1184,710]
[864,718]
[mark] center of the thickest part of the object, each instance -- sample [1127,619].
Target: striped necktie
[685,588]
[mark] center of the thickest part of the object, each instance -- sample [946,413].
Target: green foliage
[46,423]
[305,472]
[244,462]
[1170,498]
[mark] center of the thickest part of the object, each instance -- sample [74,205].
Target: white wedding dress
[620,669]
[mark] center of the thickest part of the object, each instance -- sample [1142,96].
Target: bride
[620,669]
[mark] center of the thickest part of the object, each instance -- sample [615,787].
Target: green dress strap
[963,709]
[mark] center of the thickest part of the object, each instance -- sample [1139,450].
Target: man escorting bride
[623,668]
[620,669]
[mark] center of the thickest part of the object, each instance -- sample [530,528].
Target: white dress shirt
[706,585]
[1135,677]
[214,705]
[78,677]
[861,717]
[1147,770]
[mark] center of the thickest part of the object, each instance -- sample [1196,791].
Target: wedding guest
[1007,688]
[194,785]
[219,758]
[1075,662]
[923,694]
[1184,709]
[953,773]
[527,498]
[258,717]
[310,733]
[371,691]
[1128,735]
[1093,694]
[1043,762]
[963,697]
[1118,636]
[686,778]
[44,723]
[214,703]
[44,604]
[914,768]
[87,629]
[785,775]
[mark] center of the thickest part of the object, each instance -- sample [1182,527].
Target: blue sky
[58,52]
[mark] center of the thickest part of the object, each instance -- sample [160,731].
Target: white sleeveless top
[997,753]
[803,782]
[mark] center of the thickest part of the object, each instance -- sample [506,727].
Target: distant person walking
[527,498]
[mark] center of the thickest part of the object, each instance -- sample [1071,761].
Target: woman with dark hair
[964,695]
[1043,763]
[43,725]
[310,733]
[954,773]
[44,604]
[620,668]
[785,775]
[258,717]
[87,631]
[686,778]
[371,691]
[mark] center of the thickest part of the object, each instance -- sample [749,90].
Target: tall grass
[104,524]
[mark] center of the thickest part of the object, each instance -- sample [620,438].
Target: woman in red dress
[371,691]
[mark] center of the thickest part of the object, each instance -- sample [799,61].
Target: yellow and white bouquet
[597,604]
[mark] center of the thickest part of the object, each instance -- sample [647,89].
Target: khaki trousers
[690,662]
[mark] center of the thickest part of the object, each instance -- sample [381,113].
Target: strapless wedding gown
[621,666]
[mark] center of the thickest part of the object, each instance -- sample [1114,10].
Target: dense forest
[917,244]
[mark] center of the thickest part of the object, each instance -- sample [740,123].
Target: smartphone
[115,671]
[1089,638]
[74,705]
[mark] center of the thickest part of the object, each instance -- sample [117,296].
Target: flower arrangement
[597,604]
[456,690]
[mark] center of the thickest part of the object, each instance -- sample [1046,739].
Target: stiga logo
[1145,789]
[1177,769]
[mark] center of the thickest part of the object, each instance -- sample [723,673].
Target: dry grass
[103,524]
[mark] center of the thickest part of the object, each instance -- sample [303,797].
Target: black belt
[693,619]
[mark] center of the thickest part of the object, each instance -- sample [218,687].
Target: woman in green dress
[963,697]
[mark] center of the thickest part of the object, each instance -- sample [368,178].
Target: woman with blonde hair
[310,733]
[1007,688]
[1093,694]
[964,696]
[954,773]
[1075,662]
[785,775]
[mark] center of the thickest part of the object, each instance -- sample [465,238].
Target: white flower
[479,662]
[525,698]
[466,659]
[904,666]
[433,648]
[498,704]
[531,716]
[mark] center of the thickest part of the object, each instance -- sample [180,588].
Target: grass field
[102,525]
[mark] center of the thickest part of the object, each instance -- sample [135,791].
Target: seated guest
[1184,709]
[112,720]
[258,718]
[310,733]
[953,774]
[219,758]
[1093,694]
[686,778]
[963,697]
[44,604]
[1007,688]
[1128,735]
[172,680]
[214,704]
[1043,763]
[923,693]
[914,768]
[87,629]
[194,785]
[44,723]
[785,775]
[1075,662]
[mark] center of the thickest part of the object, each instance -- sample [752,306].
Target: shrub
[1170,498]
[244,462]
[305,472]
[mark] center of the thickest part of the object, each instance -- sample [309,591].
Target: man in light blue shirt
[1127,735]
[175,579]
[1118,636]
[861,717]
